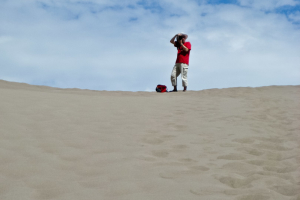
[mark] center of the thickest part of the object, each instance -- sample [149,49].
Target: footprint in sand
[270,139]
[152,132]
[168,136]
[179,173]
[168,175]
[236,182]
[281,169]
[187,160]
[251,151]
[180,127]
[232,157]
[153,140]
[276,156]
[160,153]
[157,140]
[179,147]
[253,197]
[91,184]
[228,145]
[200,168]
[287,190]
[47,189]
[271,146]
[147,158]
[262,162]
[297,197]
[239,167]
[207,191]
[244,140]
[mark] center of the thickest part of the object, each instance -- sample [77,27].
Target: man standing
[182,61]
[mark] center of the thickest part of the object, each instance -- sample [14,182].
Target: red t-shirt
[182,56]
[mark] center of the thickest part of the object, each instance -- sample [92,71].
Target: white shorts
[179,68]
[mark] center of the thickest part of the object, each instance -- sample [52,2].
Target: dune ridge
[234,143]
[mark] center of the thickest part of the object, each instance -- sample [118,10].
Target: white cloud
[94,44]
[268,4]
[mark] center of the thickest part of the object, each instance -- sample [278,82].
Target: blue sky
[124,45]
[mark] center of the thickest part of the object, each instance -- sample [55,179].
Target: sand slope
[69,144]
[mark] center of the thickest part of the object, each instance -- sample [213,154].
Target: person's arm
[184,48]
[173,39]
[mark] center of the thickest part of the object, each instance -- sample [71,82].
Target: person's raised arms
[173,39]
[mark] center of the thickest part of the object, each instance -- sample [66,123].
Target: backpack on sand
[161,88]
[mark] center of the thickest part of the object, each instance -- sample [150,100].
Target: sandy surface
[71,144]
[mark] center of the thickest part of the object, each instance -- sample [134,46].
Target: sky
[125,45]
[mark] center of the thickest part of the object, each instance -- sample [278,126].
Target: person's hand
[180,42]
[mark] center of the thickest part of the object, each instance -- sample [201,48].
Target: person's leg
[175,73]
[184,71]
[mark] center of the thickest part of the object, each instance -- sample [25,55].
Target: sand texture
[219,144]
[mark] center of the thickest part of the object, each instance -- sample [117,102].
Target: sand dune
[68,144]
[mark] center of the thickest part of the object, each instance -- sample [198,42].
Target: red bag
[161,88]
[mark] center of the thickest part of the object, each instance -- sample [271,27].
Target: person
[182,61]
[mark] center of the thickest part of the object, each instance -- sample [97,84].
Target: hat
[185,35]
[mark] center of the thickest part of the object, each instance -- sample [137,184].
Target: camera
[179,37]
